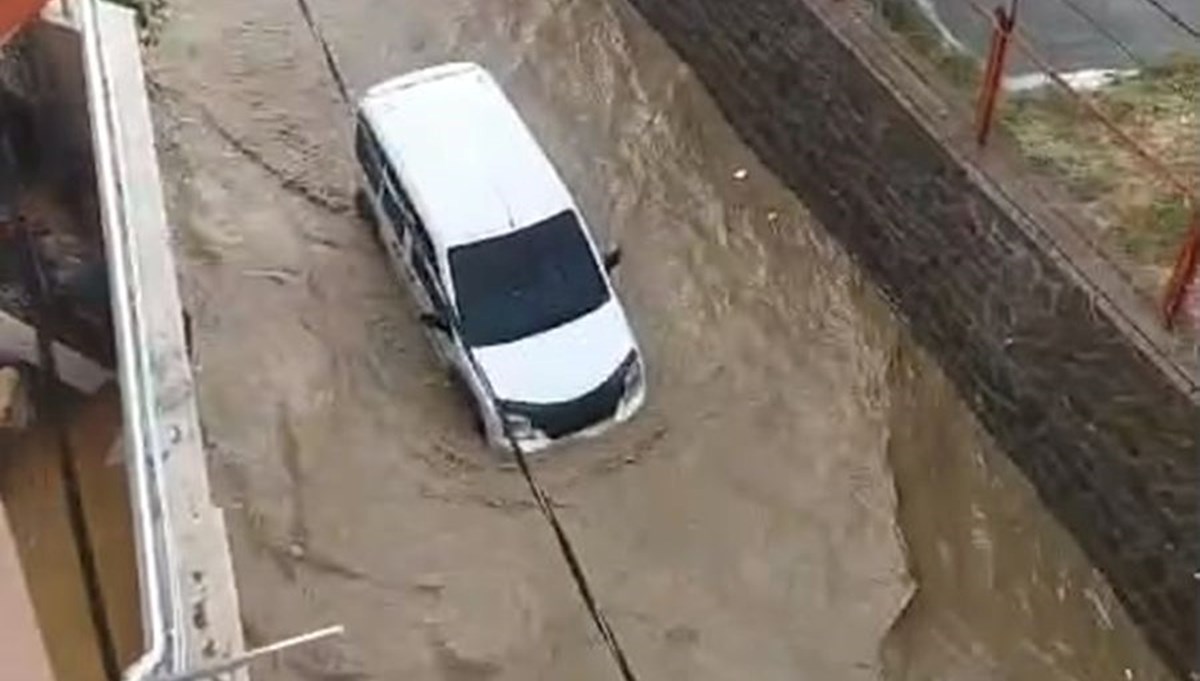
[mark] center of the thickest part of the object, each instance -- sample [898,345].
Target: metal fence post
[993,76]
[1183,276]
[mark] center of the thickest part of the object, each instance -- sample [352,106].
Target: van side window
[400,219]
[423,247]
[394,181]
[425,265]
[399,209]
[429,281]
[405,211]
[367,150]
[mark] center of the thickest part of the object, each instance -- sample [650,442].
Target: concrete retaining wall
[202,568]
[1037,336]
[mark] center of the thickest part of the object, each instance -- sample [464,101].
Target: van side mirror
[434,321]
[612,259]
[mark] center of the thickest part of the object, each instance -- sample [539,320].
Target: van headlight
[519,426]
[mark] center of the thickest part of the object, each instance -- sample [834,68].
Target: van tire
[477,422]
[472,403]
[363,208]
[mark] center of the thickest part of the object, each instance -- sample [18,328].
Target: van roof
[472,166]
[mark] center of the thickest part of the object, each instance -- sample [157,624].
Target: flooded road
[746,525]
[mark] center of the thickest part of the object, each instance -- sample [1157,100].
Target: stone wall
[1104,427]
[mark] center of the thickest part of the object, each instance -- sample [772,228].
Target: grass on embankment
[1138,212]
[1138,215]
[907,20]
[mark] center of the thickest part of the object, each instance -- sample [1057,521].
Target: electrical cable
[1105,31]
[1174,18]
[331,64]
[540,497]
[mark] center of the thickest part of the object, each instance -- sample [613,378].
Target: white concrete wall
[204,572]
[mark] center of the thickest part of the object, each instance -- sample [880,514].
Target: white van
[511,287]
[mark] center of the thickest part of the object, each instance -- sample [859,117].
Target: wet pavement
[746,525]
[1082,34]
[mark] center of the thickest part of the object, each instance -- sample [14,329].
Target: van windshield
[527,282]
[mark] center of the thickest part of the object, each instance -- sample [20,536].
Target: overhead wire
[541,497]
[1173,17]
[331,63]
[1105,31]
[574,565]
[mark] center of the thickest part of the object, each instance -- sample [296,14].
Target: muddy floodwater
[804,497]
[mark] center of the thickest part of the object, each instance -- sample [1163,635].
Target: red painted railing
[15,13]
[993,76]
[1183,276]
[1184,282]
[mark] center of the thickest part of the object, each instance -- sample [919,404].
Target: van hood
[561,364]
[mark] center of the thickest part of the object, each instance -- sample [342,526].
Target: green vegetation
[907,20]
[1140,213]
[1153,233]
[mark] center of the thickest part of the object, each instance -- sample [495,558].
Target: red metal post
[993,76]
[988,77]
[14,13]
[1184,274]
